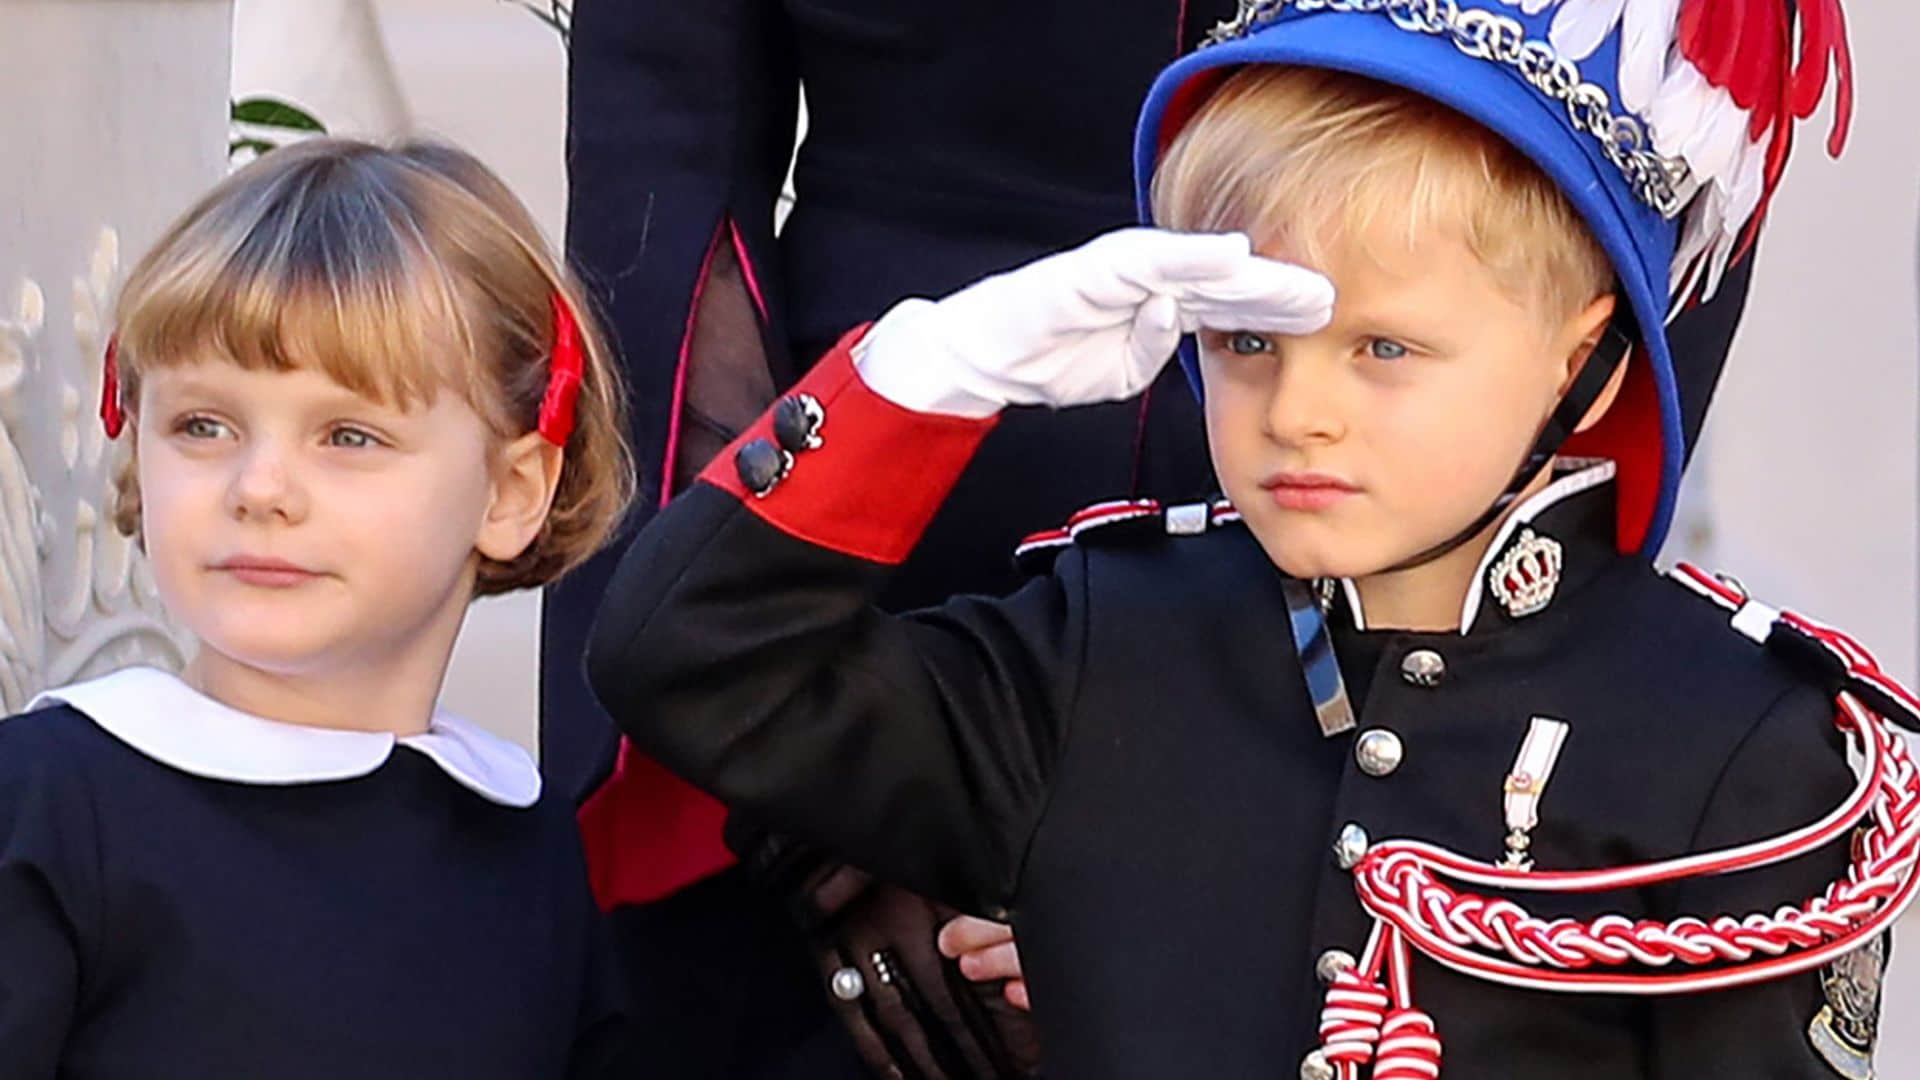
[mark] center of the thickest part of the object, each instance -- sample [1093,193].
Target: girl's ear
[1577,340]
[525,475]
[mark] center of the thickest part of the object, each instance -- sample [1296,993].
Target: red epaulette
[1830,658]
[1120,521]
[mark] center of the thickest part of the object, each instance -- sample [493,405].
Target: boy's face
[295,526]
[1353,449]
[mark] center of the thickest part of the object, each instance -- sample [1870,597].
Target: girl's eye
[201,427]
[1384,349]
[1247,343]
[348,438]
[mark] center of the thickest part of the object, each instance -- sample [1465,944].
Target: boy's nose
[1303,401]
[265,485]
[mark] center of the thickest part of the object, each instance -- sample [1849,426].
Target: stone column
[116,120]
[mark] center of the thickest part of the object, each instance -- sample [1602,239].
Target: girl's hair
[395,271]
[1298,157]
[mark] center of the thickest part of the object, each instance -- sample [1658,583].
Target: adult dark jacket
[945,142]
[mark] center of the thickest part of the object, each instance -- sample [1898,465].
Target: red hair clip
[112,416]
[563,379]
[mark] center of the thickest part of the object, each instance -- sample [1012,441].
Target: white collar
[167,720]
[1586,474]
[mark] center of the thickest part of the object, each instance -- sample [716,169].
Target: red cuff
[878,477]
[648,834]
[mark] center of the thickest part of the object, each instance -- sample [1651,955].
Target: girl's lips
[267,573]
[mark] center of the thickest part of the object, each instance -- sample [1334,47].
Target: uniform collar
[172,723]
[1573,514]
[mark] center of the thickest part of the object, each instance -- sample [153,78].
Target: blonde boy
[1399,743]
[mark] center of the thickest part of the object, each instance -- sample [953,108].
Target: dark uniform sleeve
[740,645]
[49,890]
[1790,771]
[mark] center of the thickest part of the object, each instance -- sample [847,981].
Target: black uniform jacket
[1122,756]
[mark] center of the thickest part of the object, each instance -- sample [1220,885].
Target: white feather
[1717,262]
[1679,107]
[1698,231]
[1749,184]
[1646,41]
[1715,145]
[1581,25]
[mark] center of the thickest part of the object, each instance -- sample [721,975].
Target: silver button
[1332,963]
[1351,846]
[1423,667]
[848,984]
[1379,752]
[1315,1066]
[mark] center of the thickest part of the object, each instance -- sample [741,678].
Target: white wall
[115,121]
[1811,449]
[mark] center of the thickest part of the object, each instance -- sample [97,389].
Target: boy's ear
[1585,331]
[525,475]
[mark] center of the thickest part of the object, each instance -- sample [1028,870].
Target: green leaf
[267,112]
[258,146]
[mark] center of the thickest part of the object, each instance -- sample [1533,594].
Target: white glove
[1085,326]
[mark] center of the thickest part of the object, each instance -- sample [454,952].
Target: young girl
[360,393]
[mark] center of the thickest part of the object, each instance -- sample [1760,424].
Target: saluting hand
[1090,325]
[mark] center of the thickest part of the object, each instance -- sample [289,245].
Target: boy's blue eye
[1247,343]
[351,439]
[1383,349]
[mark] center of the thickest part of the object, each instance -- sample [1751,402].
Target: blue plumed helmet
[1666,123]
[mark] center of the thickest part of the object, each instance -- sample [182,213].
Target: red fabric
[649,834]
[565,371]
[1630,435]
[905,463]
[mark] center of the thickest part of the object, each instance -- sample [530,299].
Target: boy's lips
[1307,490]
[265,571]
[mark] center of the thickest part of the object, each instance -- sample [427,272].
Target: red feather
[1823,42]
[1745,47]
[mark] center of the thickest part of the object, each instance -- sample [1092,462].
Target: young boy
[1184,761]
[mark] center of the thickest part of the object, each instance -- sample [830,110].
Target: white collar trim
[167,720]
[1589,473]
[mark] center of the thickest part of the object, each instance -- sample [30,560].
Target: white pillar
[116,120]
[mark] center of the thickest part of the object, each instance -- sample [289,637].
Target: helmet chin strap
[1616,341]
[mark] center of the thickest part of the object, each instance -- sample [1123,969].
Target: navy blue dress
[188,891]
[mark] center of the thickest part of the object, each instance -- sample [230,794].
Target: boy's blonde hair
[1299,157]
[396,271]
